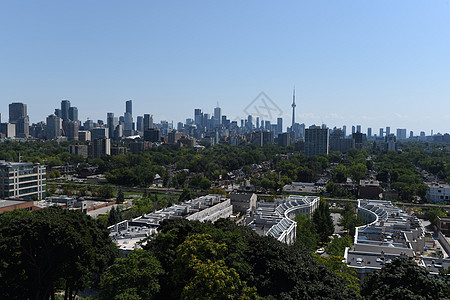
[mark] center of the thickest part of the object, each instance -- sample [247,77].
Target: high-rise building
[18,116]
[53,128]
[369,132]
[65,105]
[344,130]
[411,134]
[140,123]
[218,115]
[401,134]
[101,146]
[279,126]
[316,141]
[73,113]
[388,130]
[353,129]
[70,130]
[17,111]
[128,118]
[381,132]
[358,128]
[198,117]
[148,122]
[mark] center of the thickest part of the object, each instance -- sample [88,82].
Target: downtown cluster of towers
[64,122]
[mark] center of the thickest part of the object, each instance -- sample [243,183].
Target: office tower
[250,122]
[388,130]
[140,123]
[257,122]
[17,111]
[206,122]
[111,123]
[381,132]
[369,132]
[293,109]
[198,117]
[316,141]
[267,125]
[18,116]
[353,129]
[8,129]
[128,118]
[65,105]
[344,130]
[98,133]
[70,130]
[73,113]
[54,127]
[88,125]
[279,126]
[148,121]
[217,115]
[411,134]
[358,128]
[58,113]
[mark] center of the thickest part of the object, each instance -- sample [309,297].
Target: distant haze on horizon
[374,64]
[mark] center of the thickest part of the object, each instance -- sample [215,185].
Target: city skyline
[375,64]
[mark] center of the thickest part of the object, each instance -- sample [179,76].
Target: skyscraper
[316,141]
[17,111]
[148,121]
[73,113]
[369,132]
[65,105]
[358,128]
[18,116]
[279,126]
[53,128]
[128,118]
[218,115]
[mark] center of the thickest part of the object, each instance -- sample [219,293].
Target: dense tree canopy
[404,279]
[50,249]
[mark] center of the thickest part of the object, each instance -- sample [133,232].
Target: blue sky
[374,63]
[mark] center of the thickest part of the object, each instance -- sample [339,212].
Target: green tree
[403,279]
[133,277]
[323,221]
[50,249]
[338,244]
[115,216]
[120,197]
[349,219]
[307,236]
[105,191]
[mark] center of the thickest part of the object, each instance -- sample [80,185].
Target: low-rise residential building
[22,180]
[389,233]
[438,192]
[127,234]
[370,189]
[276,219]
[243,201]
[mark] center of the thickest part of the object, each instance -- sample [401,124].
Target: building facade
[22,180]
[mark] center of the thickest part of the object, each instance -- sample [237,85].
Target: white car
[320,251]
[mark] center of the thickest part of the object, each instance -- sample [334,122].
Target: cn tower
[293,109]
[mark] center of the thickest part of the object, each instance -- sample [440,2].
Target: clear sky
[375,63]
